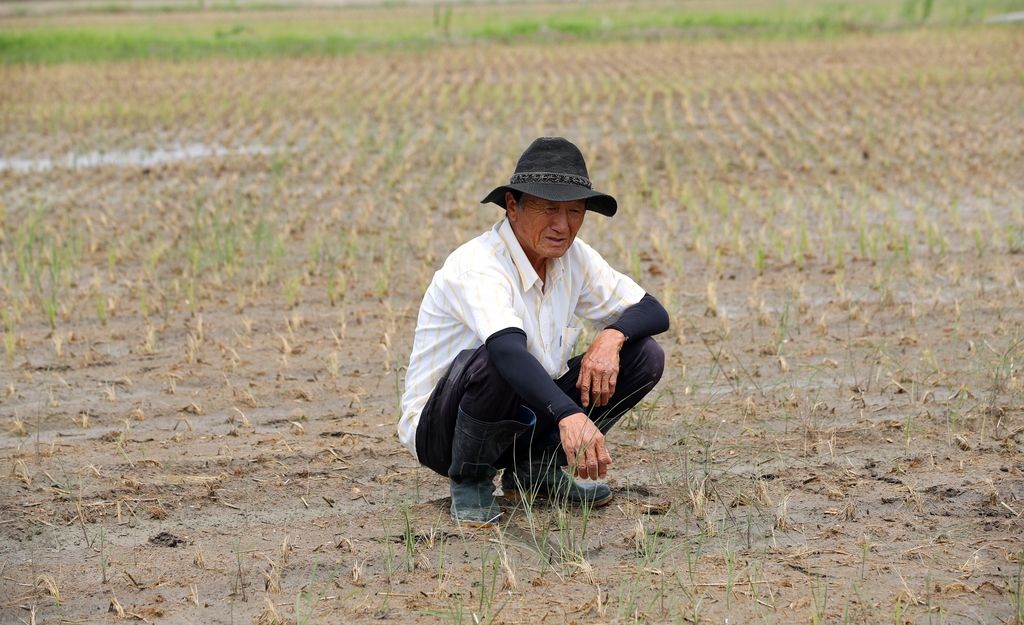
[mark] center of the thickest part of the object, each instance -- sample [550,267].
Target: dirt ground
[205,347]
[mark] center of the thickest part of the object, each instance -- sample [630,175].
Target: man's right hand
[584,446]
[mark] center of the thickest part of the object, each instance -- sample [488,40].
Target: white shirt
[487,285]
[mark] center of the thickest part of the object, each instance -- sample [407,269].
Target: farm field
[210,270]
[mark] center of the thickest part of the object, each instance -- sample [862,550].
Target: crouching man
[492,382]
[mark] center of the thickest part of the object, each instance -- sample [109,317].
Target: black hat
[553,169]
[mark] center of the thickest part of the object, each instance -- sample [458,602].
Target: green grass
[185,32]
[64,45]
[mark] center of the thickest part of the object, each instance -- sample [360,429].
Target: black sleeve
[644,318]
[507,349]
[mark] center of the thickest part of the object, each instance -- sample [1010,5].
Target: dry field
[210,271]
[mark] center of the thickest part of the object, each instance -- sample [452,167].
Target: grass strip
[272,32]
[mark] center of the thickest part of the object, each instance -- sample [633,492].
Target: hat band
[550,178]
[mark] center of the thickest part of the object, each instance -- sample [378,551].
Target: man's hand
[584,446]
[599,369]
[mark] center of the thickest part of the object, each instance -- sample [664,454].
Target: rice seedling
[10,340]
[269,614]
[487,609]
[101,305]
[272,576]
[199,558]
[117,608]
[826,214]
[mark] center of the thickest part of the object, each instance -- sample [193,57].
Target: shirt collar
[526,271]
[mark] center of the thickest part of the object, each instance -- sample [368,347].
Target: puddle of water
[1006,18]
[127,158]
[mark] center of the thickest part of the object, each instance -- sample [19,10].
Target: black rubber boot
[475,448]
[543,478]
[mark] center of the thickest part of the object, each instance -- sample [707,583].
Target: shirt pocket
[568,340]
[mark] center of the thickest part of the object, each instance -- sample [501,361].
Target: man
[491,382]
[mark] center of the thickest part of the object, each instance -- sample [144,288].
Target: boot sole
[476,524]
[516,495]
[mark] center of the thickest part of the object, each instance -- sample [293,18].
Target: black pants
[474,384]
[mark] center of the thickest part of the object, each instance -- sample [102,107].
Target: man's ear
[511,207]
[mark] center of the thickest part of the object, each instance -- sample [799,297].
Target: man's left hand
[599,369]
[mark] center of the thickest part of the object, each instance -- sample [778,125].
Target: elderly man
[492,382]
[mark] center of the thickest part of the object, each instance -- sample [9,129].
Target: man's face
[544,228]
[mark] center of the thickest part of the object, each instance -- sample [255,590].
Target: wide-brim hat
[553,169]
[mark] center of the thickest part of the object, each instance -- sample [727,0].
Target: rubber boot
[543,478]
[475,448]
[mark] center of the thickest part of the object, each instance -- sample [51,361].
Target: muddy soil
[200,437]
